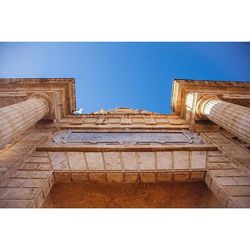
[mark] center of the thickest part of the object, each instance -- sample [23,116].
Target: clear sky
[136,75]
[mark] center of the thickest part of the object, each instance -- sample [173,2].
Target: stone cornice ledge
[118,148]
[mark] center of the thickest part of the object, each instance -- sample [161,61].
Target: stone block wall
[27,176]
[228,174]
[129,166]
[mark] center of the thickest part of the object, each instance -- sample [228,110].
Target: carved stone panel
[128,138]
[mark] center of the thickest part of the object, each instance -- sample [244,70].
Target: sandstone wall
[227,173]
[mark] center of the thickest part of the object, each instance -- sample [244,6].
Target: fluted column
[17,118]
[232,117]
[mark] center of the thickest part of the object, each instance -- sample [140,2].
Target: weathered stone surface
[129,161]
[198,160]
[234,118]
[130,177]
[146,161]
[164,161]
[59,161]
[226,181]
[62,177]
[17,118]
[115,177]
[95,161]
[31,174]
[164,177]
[181,176]
[17,193]
[28,171]
[181,160]
[97,177]
[37,160]
[148,177]
[76,161]
[197,176]
[112,161]
[79,177]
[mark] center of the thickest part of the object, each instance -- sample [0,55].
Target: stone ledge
[128,176]
[118,148]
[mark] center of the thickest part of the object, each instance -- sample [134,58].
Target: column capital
[201,104]
[47,100]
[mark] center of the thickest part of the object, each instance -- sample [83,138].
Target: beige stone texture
[40,154]
[51,181]
[46,189]
[223,197]
[146,161]
[34,182]
[90,120]
[243,181]
[242,201]
[31,110]
[231,204]
[215,186]
[76,161]
[44,167]
[217,165]
[218,159]
[95,161]
[232,117]
[39,200]
[129,161]
[198,160]
[114,120]
[161,120]
[15,203]
[17,118]
[208,178]
[37,160]
[237,190]
[126,121]
[18,193]
[138,120]
[150,121]
[31,174]
[164,161]
[181,160]
[59,161]
[112,161]
[226,181]
[229,172]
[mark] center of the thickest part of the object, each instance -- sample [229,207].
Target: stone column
[17,118]
[232,117]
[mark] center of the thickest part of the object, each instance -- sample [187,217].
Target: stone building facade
[42,142]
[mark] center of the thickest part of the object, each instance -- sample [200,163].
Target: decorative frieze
[127,138]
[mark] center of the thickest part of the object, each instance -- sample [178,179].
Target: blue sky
[136,75]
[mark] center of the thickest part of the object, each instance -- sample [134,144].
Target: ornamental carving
[127,138]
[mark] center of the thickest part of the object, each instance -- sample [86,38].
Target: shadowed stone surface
[134,195]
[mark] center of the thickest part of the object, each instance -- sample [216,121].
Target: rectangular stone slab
[127,137]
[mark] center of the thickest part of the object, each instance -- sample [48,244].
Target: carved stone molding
[201,104]
[127,138]
[47,101]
